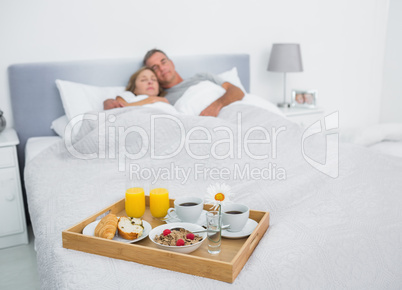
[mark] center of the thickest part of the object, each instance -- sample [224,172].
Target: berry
[190,236]
[166,232]
[180,242]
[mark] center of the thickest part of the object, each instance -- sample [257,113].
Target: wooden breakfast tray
[224,266]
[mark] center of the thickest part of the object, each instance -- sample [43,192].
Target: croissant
[106,228]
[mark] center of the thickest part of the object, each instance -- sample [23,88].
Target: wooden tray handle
[254,242]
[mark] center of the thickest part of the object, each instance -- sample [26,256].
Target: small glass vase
[214,227]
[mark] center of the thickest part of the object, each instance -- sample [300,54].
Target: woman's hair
[131,83]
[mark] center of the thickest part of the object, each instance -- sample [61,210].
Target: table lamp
[285,57]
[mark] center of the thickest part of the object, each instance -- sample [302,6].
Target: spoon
[201,231]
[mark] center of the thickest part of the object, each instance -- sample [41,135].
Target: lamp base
[284,105]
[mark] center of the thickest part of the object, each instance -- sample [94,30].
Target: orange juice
[159,202]
[135,202]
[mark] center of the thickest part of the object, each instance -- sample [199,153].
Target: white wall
[342,41]
[391,105]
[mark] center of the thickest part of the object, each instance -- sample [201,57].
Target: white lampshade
[285,57]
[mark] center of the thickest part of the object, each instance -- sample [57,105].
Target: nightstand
[303,116]
[13,229]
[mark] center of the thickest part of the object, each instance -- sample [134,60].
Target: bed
[385,138]
[329,229]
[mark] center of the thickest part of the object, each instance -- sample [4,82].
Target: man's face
[163,67]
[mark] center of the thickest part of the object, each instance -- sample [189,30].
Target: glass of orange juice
[159,202]
[135,202]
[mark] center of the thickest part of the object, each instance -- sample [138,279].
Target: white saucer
[89,230]
[245,232]
[175,219]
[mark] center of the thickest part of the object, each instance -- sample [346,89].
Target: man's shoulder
[198,77]
[203,75]
[194,80]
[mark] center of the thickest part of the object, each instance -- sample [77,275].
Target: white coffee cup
[236,215]
[188,209]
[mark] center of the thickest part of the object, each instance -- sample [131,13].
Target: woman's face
[146,84]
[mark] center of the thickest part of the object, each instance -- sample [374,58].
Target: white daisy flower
[217,194]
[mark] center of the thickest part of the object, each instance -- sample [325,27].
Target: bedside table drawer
[11,219]
[6,157]
[13,229]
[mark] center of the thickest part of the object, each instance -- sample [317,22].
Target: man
[175,86]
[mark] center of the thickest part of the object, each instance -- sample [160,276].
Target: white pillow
[232,77]
[198,97]
[79,98]
[59,125]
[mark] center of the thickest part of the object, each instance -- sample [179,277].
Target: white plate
[89,230]
[245,232]
[175,219]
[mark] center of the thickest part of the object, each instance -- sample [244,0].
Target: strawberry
[180,242]
[190,236]
[166,232]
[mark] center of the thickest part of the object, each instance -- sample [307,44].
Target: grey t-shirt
[174,93]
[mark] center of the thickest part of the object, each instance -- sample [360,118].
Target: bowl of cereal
[178,237]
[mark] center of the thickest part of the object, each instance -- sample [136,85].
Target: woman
[142,89]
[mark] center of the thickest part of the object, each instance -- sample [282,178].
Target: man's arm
[111,104]
[232,94]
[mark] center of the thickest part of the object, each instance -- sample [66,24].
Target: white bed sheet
[35,145]
[392,148]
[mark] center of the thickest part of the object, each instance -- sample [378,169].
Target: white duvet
[196,98]
[325,233]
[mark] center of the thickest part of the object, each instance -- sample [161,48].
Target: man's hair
[151,53]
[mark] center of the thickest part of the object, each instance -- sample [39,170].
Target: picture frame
[304,99]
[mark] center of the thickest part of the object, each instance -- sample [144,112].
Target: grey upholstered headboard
[36,101]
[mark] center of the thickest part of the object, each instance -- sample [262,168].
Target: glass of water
[214,225]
